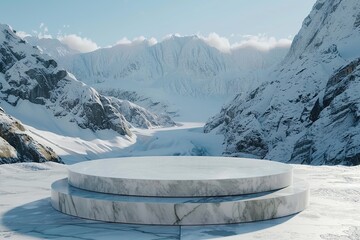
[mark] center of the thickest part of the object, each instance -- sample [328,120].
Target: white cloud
[22,34]
[44,35]
[76,42]
[125,41]
[43,31]
[152,41]
[214,40]
[171,35]
[139,39]
[73,41]
[82,44]
[262,42]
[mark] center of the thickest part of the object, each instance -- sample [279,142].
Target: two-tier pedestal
[180,190]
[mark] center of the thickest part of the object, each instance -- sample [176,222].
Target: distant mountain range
[183,75]
[182,65]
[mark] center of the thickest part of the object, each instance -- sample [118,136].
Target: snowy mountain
[183,65]
[182,75]
[171,74]
[26,75]
[17,146]
[308,111]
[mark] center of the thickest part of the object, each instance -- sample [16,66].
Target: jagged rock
[161,109]
[140,117]
[17,146]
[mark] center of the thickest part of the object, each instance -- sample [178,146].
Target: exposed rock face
[26,74]
[333,135]
[158,107]
[308,110]
[139,117]
[17,146]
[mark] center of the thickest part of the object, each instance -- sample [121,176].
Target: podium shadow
[39,220]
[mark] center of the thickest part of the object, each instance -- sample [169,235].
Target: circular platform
[179,211]
[180,176]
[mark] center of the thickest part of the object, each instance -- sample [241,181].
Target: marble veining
[179,211]
[180,176]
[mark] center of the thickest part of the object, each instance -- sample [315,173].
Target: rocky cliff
[308,109]
[17,146]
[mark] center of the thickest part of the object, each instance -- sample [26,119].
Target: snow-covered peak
[332,25]
[177,66]
[307,111]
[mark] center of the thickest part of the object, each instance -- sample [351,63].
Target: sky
[90,24]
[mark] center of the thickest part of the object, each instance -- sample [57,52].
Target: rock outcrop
[16,145]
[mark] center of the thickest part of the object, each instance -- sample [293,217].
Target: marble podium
[180,190]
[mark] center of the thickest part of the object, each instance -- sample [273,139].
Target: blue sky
[107,21]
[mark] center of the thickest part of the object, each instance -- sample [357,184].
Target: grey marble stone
[180,176]
[179,211]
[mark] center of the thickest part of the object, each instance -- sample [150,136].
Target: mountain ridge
[182,65]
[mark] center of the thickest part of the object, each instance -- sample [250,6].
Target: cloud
[43,32]
[214,40]
[262,42]
[171,35]
[22,34]
[139,39]
[152,41]
[82,44]
[78,43]
[44,35]
[125,41]
[73,41]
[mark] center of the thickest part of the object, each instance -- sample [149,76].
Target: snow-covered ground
[186,139]
[25,211]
